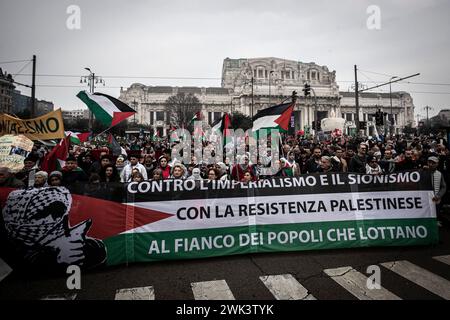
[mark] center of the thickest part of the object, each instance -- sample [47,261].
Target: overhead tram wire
[14,61]
[370,79]
[378,73]
[128,77]
[18,72]
[213,78]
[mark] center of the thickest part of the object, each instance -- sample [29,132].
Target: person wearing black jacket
[313,164]
[72,173]
[358,162]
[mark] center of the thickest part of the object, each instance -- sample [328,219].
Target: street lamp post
[390,99]
[90,81]
[428,120]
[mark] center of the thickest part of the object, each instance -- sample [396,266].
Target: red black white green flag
[276,117]
[106,109]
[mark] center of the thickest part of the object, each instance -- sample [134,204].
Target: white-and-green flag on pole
[106,109]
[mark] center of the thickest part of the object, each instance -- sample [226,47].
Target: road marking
[286,287]
[140,293]
[420,276]
[356,283]
[66,296]
[5,269]
[212,290]
[444,259]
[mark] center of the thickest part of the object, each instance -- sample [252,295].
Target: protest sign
[48,126]
[13,151]
[186,219]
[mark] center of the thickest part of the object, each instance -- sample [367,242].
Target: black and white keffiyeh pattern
[36,215]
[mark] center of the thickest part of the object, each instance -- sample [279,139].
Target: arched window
[288,74]
[260,72]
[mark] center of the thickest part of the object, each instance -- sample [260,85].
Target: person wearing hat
[127,172]
[40,179]
[437,182]
[55,179]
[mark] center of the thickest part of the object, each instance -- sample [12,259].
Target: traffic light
[363,125]
[307,90]
[316,125]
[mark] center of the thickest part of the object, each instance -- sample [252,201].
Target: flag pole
[95,137]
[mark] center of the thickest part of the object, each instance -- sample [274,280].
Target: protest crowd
[142,158]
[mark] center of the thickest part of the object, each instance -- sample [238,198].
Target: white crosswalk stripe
[286,287]
[356,283]
[212,290]
[5,269]
[444,259]
[140,293]
[420,276]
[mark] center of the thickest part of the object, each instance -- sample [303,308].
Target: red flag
[84,136]
[59,152]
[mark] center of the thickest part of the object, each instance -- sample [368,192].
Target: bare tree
[182,108]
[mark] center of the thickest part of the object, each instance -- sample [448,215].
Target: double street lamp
[91,80]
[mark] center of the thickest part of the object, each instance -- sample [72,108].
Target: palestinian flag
[77,137]
[221,126]
[197,117]
[276,117]
[155,136]
[106,109]
[56,159]
[116,149]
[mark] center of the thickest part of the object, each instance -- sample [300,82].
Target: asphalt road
[241,273]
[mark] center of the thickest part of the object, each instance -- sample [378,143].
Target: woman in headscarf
[238,171]
[292,167]
[164,166]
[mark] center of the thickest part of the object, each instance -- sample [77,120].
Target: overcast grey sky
[190,38]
